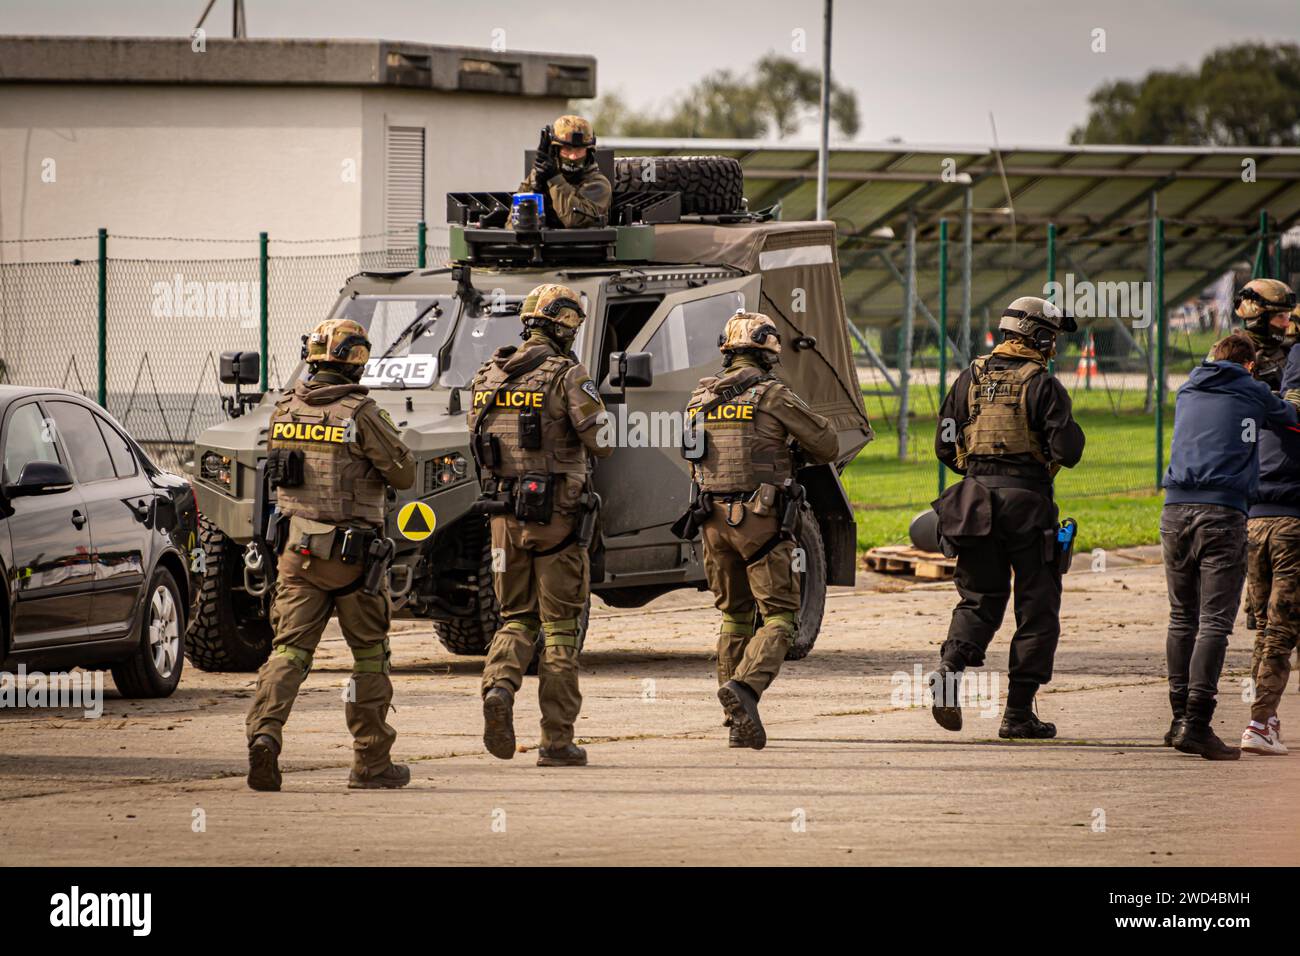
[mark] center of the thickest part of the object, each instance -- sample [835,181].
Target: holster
[590,503]
[687,527]
[379,555]
[1065,538]
[794,495]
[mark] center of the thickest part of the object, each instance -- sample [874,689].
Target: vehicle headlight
[216,467]
[444,471]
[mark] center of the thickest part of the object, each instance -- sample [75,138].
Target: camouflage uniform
[747,447]
[541,573]
[577,194]
[1273,572]
[350,449]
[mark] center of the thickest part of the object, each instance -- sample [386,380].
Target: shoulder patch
[590,388]
[388,420]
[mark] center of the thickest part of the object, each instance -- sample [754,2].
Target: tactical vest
[736,457]
[999,416]
[340,484]
[561,451]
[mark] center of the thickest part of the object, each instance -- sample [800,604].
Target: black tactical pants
[1018,549]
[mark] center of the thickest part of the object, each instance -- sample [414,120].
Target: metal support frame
[102,332]
[264,319]
[1161,321]
[943,325]
[823,148]
[967,256]
[959,354]
[905,345]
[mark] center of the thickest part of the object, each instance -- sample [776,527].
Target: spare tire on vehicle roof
[709,185]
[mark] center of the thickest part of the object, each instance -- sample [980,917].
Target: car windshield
[406,332]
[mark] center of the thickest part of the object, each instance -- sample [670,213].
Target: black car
[96,544]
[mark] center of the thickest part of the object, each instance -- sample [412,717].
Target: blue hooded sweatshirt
[1218,417]
[1279,460]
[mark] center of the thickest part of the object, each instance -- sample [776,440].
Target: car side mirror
[240,368]
[41,478]
[630,370]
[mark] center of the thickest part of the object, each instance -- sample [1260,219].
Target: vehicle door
[119,506]
[49,539]
[645,484]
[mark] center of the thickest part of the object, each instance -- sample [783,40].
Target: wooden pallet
[900,559]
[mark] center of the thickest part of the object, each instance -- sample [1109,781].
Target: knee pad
[524,626]
[562,633]
[737,625]
[787,621]
[296,654]
[371,659]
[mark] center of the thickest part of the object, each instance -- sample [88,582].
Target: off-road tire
[472,634]
[137,676]
[708,185]
[222,636]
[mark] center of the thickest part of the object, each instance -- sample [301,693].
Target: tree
[1242,95]
[775,100]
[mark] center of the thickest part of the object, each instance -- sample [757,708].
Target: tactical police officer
[1007,426]
[533,427]
[1265,305]
[564,170]
[331,450]
[742,426]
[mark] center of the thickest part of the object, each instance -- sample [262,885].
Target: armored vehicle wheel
[812,585]
[708,184]
[229,630]
[472,634]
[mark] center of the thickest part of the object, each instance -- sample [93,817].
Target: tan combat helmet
[1263,297]
[570,130]
[750,330]
[337,340]
[1030,314]
[555,303]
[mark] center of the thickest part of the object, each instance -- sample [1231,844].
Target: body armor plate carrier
[999,417]
[737,458]
[559,451]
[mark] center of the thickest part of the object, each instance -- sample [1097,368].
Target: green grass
[1112,493]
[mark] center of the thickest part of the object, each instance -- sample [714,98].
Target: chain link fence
[162,321]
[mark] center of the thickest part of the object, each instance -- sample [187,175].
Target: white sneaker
[1275,726]
[1266,744]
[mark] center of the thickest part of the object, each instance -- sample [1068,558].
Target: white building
[302,139]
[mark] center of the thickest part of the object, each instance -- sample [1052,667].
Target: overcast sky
[929,71]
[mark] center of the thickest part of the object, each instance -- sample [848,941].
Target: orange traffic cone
[1087,367]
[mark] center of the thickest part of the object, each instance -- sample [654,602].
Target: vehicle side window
[688,337]
[124,462]
[83,442]
[28,438]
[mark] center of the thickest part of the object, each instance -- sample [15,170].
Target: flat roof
[291,62]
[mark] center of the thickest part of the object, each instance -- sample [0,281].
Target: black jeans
[1022,522]
[1205,567]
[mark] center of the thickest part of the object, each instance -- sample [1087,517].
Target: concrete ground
[853,773]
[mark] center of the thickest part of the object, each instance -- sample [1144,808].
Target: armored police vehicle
[681,256]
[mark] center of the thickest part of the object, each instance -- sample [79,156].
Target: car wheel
[155,668]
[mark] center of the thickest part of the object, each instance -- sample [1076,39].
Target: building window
[403,191]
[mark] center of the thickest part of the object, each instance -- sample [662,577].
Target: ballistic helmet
[555,303]
[1261,297]
[750,330]
[341,341]
[570,130]
[1029,314]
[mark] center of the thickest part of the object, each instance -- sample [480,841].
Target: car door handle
[78,519]
[139,508]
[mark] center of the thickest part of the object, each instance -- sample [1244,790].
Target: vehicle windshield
[406,333]
[481,332]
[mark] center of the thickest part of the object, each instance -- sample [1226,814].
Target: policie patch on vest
[727,412]
[305,431]
[510,401]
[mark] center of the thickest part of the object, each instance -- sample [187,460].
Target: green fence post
[264,318]
[420,232]
[1277,256]
[103,319]
[1261,250]
[1158,297]
[1051,277]
[943,328]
